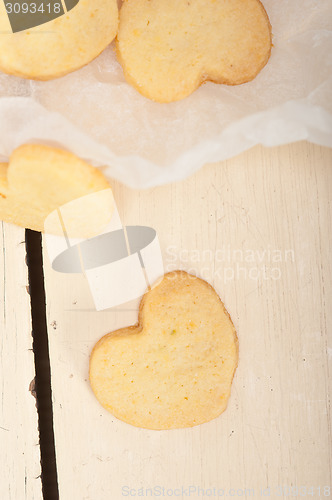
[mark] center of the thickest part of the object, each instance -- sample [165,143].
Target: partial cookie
[3,179]
[59,46]
[173,369]
[169,47]
[40,179]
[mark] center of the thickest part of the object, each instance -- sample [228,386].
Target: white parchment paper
[97,115]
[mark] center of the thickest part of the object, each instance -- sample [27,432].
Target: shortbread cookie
[3,180]
[40,179]
[174,368]
[61,45]
[169,47]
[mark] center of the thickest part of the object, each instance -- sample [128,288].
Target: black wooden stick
[33,242]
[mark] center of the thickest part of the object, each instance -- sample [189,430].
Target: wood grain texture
[19,449]
[258,228]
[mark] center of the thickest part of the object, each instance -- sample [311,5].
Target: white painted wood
[19,448]
[258,227]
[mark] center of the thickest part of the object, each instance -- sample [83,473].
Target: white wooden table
[19,450]
[258,227]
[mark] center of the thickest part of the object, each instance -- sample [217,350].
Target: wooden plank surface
[258,228]
[19,448]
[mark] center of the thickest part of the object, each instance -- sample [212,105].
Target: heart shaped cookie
[175,368]
[40,179]
[59,46]
[167,48]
